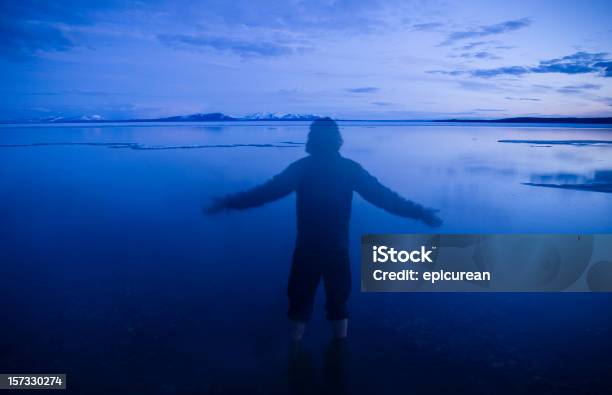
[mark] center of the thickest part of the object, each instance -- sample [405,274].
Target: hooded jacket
[324,185]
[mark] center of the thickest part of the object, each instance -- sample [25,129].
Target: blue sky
[381,59]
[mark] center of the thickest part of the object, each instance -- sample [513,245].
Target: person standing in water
[324,182]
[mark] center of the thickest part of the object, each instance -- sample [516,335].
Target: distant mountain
[198,117]
[279,116]
[62,119]
[213,116]
[217,116]
[604,121]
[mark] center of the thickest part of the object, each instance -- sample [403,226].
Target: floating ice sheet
[138,146]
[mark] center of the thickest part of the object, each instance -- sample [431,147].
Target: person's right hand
[215,206]
[431,219]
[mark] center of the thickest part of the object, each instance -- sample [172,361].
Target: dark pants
[306,272]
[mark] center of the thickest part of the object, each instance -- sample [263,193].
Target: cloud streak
[479,55]
[365,89]
[578,63]
[487,30]
[31,27]
[578,88]
[424,27]
[470,46]
[23,39]
[240,47]
[522,98]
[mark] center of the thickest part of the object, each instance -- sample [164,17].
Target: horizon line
[225,118]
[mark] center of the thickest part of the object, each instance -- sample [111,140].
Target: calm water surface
[109,269]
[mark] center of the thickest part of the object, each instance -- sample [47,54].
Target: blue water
[110,273]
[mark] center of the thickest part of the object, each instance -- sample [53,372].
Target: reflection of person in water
[324,183]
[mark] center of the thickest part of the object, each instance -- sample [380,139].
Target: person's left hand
[214,207]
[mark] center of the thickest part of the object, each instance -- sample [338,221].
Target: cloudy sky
[378,59]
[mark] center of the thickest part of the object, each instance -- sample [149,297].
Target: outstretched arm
[279,186]
[379,195]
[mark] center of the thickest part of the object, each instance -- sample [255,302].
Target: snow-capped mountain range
[60,119]
[279,116]
[198,117]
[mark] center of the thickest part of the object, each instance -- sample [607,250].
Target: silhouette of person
[324,182]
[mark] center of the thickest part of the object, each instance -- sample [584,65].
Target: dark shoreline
[599,121]
[519,120]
